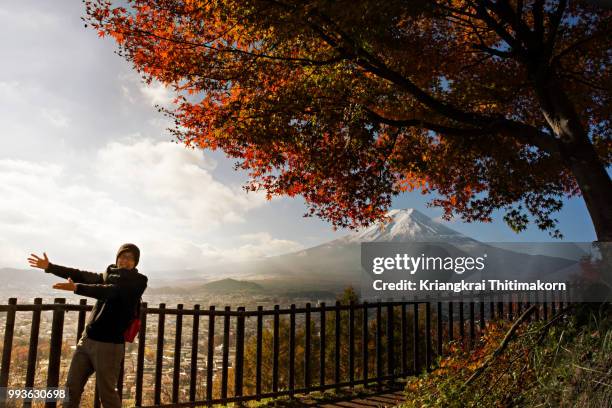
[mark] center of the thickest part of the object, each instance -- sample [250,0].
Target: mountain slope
[337,264]
[405,225]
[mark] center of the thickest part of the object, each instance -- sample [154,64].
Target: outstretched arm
[77,275]
[98,291]
[64,272]
[109,290]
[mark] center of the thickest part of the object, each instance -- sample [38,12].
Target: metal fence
[404,335]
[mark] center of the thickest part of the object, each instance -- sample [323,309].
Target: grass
[565,362]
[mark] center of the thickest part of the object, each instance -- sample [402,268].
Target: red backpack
[134,327]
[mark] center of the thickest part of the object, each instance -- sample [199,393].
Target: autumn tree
[491,104]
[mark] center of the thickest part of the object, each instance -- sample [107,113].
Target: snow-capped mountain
[404,225]
[336,264]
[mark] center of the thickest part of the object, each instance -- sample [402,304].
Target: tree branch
[305,61]
[581,42]
[505,12]
[372,64]
[493,51]
[405,123]
[502,346]
[527,134]
[555,21]
[483,13]
[538,19]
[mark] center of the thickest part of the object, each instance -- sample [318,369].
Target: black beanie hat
[131,248]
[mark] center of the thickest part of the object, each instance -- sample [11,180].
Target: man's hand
[65,285]
[36,262]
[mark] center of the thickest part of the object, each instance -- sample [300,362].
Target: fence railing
[403,336]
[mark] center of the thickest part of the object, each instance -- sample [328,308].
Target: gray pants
[103,358]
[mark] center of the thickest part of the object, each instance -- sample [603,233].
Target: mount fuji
[405,225]
[336,264]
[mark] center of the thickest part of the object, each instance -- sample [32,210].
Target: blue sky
[86,164]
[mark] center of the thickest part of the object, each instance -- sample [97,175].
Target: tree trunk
[594,184]
[579,153]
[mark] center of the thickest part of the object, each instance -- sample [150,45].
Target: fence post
[142,335]
[403,330]
[176,369]
[351,342]
[32,351]
[225,357]
[81,320]
[239,353]
[553,306]
[472,325]
[194,352]
[55,352]
[275,350]
[451,326]
[364,341]
[160,353]
[461,323]
[322,353]
[390,351]
[415,342]
[337,345]
[428,352]
[291,350]
[378,342]
[210,353]
[307,347]
[482,314]
[9,329]
[511,306]
[528,305]
[258,352]
[439,328]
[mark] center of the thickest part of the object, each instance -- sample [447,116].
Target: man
[101,347]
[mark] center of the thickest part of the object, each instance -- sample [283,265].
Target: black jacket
[117,291]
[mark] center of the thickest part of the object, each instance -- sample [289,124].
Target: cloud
[159,194]
[40,209]
[55,117]
[263,244]
[171,173]
[157,93]
[442,221]
[136,91]
[253,245]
